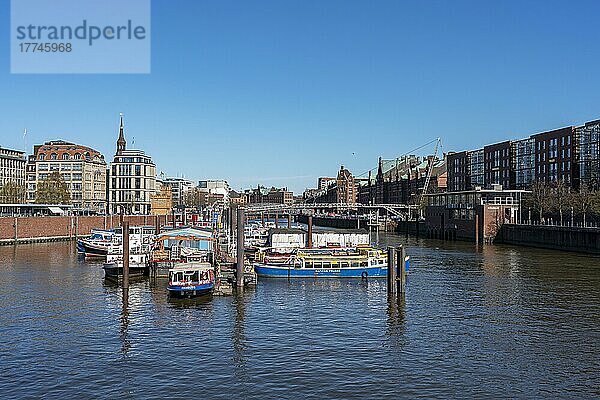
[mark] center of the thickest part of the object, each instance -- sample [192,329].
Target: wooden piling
[401,271]
[310,228]
[289,221]
[476,229]
[125,227]
[391,270]
[377,222]
[276,220]
[240,248]
[262,219]
[156,225]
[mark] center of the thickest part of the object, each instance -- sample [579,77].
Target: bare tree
[560,195]
[539,197]
[583,201]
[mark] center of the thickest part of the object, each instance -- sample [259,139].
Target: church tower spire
[121,143]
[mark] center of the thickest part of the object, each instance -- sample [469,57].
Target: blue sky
[281,92]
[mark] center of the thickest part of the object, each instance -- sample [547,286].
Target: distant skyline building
[82,168]
[179,188]
[346,187]
[324,182]
[12,167]
[132,179]
[215,186]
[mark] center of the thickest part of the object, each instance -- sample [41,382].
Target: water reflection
[124,320]
[188,302]
[494,323]
[239,332]
[396,318]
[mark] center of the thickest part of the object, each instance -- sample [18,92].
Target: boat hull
[190,290]
[271,271]
[115,271]
[91,249]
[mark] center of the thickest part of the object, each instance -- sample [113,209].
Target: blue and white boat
[356,262]
[191,279]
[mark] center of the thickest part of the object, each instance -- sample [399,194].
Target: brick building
[82,168]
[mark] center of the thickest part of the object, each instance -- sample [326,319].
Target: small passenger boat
[191,279]
[354,262]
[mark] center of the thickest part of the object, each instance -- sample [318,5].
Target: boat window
[364,264]
[317,265]
[194,277]
[308,264]
[354,264]
[344,264]
[381,261]
[326,264]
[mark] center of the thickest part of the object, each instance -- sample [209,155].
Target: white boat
[138,265]
[102,242]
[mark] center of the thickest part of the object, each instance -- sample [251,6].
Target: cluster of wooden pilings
[396,270]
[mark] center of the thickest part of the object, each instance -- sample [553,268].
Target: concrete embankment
[416,228]
[343,223]
[46,229]
[583,240]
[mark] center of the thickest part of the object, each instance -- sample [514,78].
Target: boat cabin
[191,274]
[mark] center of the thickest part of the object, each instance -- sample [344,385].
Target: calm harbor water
[498,322]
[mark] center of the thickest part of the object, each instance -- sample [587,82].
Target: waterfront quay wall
[415,228]
[48,228]
[331,222]
[583,240]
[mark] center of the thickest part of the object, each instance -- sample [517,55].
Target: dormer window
[65,156]
[53,156]
[42,156]
[77,156]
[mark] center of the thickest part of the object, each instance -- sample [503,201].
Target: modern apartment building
[132,179]
[82,168]
[497,165]
[554,157]
[587,150]
[570,155]
[459,179]
[523,162]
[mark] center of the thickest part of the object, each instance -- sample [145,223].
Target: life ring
[364,275]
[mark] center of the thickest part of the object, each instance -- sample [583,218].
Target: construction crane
[438,143]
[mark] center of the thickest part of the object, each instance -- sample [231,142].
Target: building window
[77,156]
[42,156]
[65,156]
